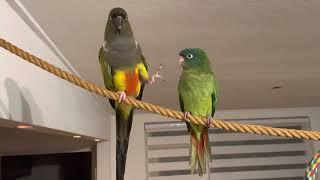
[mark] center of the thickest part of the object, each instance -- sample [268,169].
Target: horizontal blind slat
[235,155]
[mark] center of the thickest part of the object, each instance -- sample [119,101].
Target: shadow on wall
[4,109]
[22,106]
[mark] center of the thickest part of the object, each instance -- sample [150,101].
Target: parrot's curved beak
[118,22]
[181,60]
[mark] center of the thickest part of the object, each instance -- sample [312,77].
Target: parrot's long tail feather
[124,123]
[207,144]
[200,151]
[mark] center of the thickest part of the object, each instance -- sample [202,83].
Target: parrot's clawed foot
[186,115]
[122,96]
[209,120]
[156,75]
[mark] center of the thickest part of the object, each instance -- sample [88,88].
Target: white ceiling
[254,44]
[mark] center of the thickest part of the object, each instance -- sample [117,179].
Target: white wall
[136,156]
[104,161]
[31,95]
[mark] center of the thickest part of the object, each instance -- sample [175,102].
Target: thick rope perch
[231,126]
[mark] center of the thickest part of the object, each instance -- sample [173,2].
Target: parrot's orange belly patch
[132,81]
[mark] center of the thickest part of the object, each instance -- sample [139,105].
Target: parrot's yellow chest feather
[127,81]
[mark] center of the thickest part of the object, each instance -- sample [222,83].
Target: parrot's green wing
[182,109]
[181,102]
[106,73]
[143,59]
[214,95]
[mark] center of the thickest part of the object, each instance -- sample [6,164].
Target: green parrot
[198,93]
[125,71]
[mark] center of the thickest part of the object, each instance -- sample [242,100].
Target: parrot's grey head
[194,59]
[118,20]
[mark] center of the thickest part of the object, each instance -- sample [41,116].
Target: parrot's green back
[198,95]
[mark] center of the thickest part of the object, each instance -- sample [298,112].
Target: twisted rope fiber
[220,124]
[312,169]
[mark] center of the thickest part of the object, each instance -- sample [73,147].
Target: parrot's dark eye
[189,56]
[114,16]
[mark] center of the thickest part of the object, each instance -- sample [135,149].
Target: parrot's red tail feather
[207,144]
[200,151]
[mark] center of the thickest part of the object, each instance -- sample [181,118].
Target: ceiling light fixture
[96,140]
[76,136]
[276,87]
[24,127]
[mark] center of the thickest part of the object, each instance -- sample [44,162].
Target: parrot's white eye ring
[189,56]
